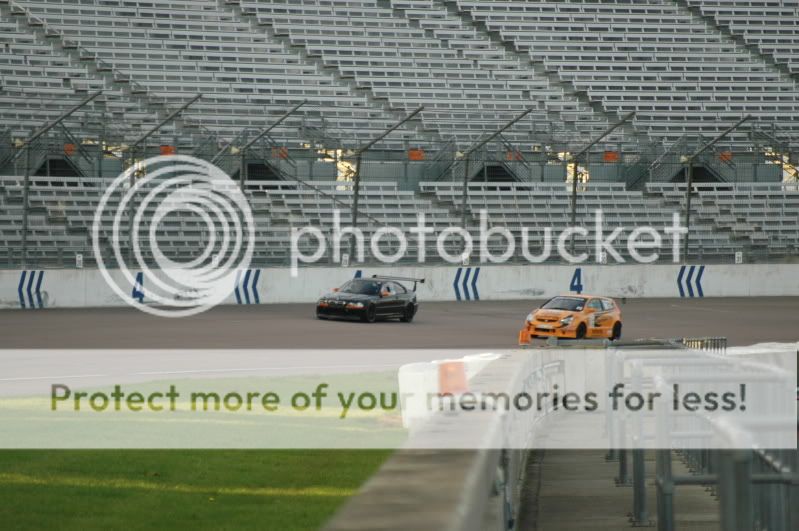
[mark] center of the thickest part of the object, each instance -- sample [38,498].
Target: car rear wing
[400,279]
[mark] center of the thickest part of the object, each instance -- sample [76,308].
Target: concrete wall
[56,288]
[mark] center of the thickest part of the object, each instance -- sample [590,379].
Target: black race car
[369,299]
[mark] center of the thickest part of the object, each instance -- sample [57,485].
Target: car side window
[607,304]
[594,304]
[398,288]
[387,287]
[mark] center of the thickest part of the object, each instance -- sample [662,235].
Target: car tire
[580,333]
[370,315]
[408,314]
[616,334]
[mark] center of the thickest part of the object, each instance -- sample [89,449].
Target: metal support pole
[356,191]
[689,180]
[640,514]
[25,192]
[26,185]
[573,202]
[576,159]
[689,161]
[357,177]
[665,491]
[735,490]
[622,480]
[242,169]
[465,192]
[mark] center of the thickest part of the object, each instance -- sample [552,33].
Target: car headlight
[566,321]
[355,305]
[529,317]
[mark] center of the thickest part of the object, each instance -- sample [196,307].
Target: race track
[481,325]
[237,331]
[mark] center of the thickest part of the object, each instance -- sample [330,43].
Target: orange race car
[575,317]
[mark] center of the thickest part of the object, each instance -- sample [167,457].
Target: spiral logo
[180,229]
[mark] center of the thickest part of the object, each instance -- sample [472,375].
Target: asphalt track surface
[237,331]
[479,325]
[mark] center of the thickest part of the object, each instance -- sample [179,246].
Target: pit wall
[79,288]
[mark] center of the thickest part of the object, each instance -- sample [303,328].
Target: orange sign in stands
[513,155]
[281,152]
[611,156]
[416,154]
[725,156]
[168,150]
[69,149]
[452,378]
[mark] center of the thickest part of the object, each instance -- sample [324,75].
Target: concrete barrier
[76,288]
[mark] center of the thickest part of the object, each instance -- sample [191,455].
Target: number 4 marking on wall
[577,281]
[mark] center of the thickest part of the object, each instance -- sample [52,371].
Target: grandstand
[687,68]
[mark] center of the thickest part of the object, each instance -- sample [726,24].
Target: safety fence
[482,489]
[757,489]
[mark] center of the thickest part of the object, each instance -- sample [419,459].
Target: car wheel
[616,331]
[407,315]
[370,315]
[580,334]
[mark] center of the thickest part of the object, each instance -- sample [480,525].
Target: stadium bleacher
[757,218]
[678,72]
[688,68]
[768,24]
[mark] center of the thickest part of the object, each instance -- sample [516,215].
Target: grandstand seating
[679,73]
[362,63]
[414,52]
[760,216]
[768,24]
[688,68]
[759,219]
[187,47]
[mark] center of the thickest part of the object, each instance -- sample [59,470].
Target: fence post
[640,515]
[735,490]
[665,491]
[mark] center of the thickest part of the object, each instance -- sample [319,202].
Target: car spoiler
[401,279]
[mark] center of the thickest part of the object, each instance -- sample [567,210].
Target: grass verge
[179,489]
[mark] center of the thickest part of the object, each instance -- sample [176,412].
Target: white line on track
[287,368]
[27,378]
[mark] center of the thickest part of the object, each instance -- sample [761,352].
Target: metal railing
[757,489]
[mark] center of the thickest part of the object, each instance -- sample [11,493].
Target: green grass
[197,489]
